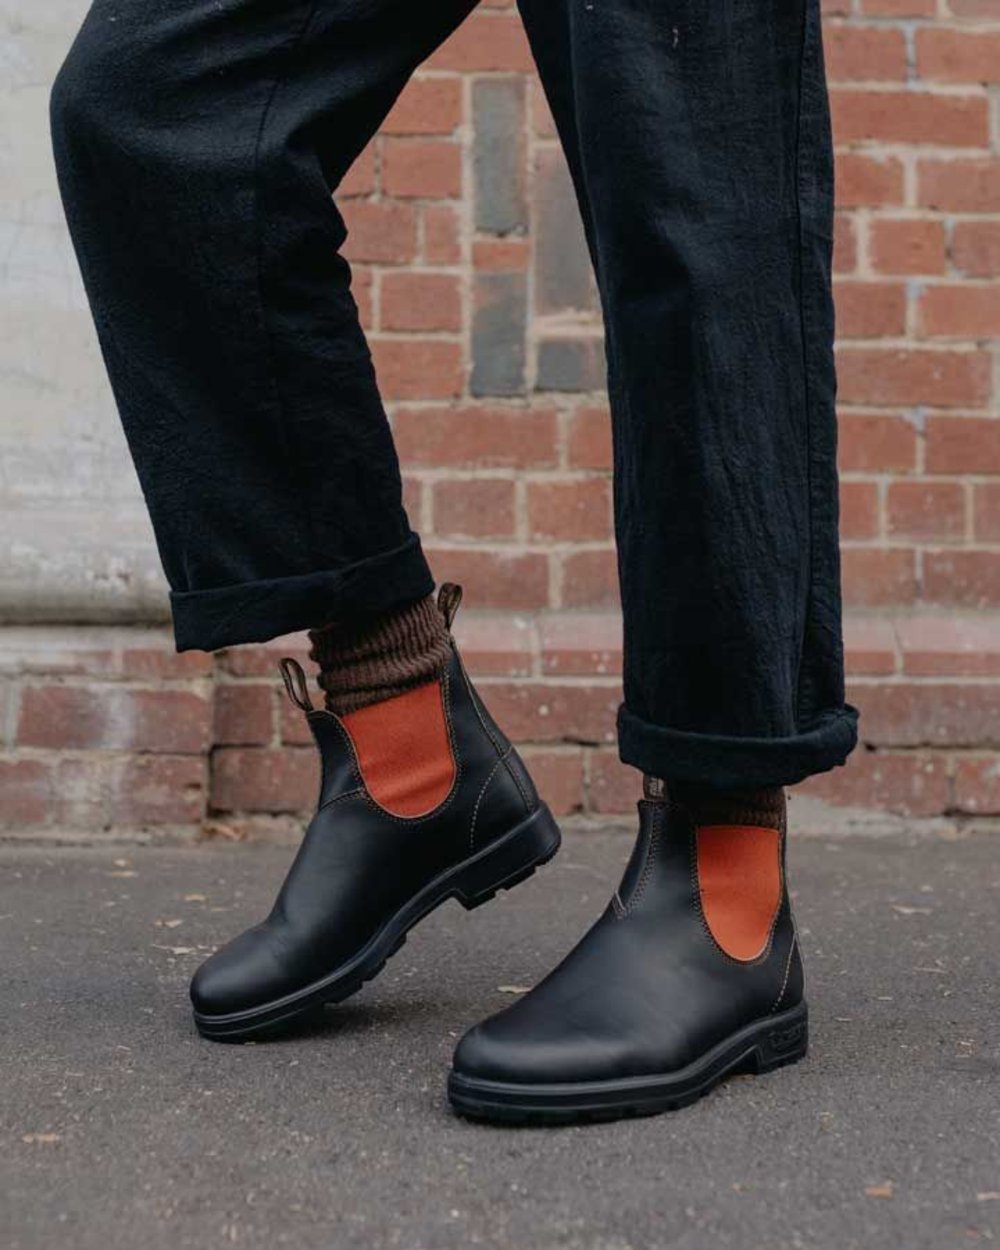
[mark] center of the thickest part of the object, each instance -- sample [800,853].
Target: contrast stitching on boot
[479,799]
[340,798]
[647,867]
[497,746]
[788,970]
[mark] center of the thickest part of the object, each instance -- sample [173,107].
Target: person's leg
[698,140]
[197,145]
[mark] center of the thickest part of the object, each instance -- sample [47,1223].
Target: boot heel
[785,1041]
[509,860]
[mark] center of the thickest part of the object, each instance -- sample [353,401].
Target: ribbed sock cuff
[764,808]
[365,662]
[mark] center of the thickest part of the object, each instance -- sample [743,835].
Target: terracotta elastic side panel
[404,751]
[739,876]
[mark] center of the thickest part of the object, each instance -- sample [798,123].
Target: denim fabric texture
[197,144]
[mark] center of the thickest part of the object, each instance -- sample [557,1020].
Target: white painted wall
[75,543]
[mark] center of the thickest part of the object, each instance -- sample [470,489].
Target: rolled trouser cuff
[227,616]
[725,763]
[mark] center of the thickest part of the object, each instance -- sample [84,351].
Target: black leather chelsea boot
[692,973]
[422,799]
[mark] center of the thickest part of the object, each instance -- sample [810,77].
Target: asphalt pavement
[120,1129]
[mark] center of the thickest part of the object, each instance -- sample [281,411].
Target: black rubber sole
[760,1047]
[504,863]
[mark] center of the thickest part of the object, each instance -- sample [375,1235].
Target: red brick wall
[472,281]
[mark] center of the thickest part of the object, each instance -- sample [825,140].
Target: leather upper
[358,863]
[647,990]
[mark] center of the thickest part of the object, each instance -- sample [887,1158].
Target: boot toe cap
[240,976]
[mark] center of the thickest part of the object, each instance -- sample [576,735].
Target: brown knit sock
[368,661]
[763,808]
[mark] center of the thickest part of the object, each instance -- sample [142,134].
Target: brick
[498,155]
[581,644]
[421,301]
[362,289]
[969,185]
[422,168]
[483,508]
[867,310]
[963,445]
[427,106]
[871,443]
[588,438]
[262,660]
[926,510]
[495,644]
[889,375]
[25,792]
[81,792]
[869,646]
[485,42]
[263,780]
[417,368]
[500,255]
[479,437]
[977,786]
[361,178]
[875,577]
[149,663]
[949,55]
[898,8]
[975,248]
[558,777]
[495,578]
[973,8]
[574,511]
[543,712]
[859,512]
[907,245]
[927,713]
[613,788]
[868,180]
[950,645]
[590,579]
[960,311]
[158,790]
[243,714]
[442,234]
[571,365]
[986,512]
[384,233]
[965,578]
[845,243]
[859,53]
[907,783]
[112,718]
[499,334]
[294,724]
[910,117]
[564,279]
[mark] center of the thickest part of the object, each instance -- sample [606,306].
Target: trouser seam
[804,336]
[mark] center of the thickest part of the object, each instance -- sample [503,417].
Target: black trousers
[197,143]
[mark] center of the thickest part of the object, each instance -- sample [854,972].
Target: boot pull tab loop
[295,684]
[449,600]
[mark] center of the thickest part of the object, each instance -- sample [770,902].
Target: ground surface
[119,1128]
